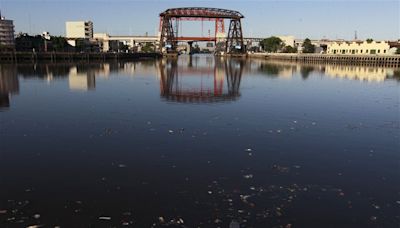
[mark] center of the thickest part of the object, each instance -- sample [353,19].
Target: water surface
[199,142]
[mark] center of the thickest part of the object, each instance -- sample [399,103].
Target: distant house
[361,48]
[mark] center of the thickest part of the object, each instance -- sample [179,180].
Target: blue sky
[313,19]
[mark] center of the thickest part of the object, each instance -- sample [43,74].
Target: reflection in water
[212,81]
[8,84]
[81,79]
[186,79]
[261,160]
[305,71]
[362,73]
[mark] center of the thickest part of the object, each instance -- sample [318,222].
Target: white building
[6,33]
[361,48]
[79,29]
[107,42]
[288,40]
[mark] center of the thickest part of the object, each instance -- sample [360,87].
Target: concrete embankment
[378,60]
[24,57]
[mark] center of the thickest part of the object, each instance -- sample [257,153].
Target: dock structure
[24,57]
[377,60]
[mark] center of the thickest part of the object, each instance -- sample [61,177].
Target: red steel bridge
[169,23]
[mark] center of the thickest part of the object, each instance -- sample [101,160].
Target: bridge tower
[234,41]
[167,36]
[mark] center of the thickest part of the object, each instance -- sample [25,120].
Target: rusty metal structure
[169,27]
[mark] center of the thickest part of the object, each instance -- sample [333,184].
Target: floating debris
[161,219]
[217,221]
[34,226]
[107,218]
[234,224]
[36,216]
[248,176]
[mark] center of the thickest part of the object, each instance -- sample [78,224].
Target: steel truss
[169,36]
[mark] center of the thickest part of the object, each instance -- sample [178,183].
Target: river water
[199,142]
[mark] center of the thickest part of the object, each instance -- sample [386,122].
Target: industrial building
[361,48]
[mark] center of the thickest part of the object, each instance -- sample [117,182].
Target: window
[384,51]
[379,51]
[360,51]
[366,51]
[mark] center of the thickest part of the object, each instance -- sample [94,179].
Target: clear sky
[317,19]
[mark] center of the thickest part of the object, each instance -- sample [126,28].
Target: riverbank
[24,57]
[376,60]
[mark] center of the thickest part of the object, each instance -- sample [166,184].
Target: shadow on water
[218,80]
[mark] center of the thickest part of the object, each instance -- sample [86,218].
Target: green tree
[369,40]
[59,43]
[271,44]
[196,49]
[289,49]
[148,47]
[308,47]
[398,51]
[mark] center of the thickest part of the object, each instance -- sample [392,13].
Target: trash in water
[105,218]
[234,224]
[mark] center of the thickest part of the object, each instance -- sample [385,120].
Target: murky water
[199,142]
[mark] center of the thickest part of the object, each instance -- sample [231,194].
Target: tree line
[275,44]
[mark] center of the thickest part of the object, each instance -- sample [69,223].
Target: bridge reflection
[215,80]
